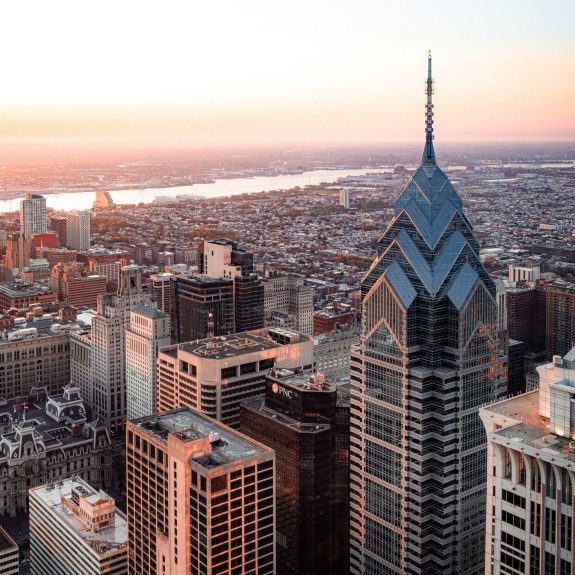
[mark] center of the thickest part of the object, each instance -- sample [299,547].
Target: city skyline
[255,73]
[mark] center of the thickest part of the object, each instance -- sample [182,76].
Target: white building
[344,198]
[9,555]
[78,230]
[149,331]
[75,528]
[33,215]
[108,398]
[525,274]
[161,290]
[531,476]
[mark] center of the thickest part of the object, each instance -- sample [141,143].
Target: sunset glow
[260,71]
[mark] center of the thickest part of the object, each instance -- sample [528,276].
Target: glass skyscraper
[428,359]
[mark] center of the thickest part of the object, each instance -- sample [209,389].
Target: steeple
[428,152]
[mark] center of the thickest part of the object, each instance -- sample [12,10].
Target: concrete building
[428,359]
[78,230]
[9,555]
[32,352]
[224,259]
[108,398]
[81,363]
[530,480]
[302,419]
[288,303]
[45,438]
[75,528]
[200,498]
[560,320]
[25,295]
[248,303]
[17,253]
[344,198]
[59,225]
[149,331]
[33,215]
[216,375]
[524,274]
[332,352]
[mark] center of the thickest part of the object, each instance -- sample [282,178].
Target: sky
[259,71]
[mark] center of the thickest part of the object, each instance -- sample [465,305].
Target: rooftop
[189,425]
[149,312]
[222,347]
[108,539]
[5,540]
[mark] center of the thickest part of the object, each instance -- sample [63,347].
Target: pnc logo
[283,391]
[275,388]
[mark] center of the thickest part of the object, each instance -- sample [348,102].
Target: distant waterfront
[226,187]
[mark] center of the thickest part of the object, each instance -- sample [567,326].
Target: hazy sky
[293,71]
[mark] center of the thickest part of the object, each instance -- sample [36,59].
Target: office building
[193,299]
[59,225]
[108,398]
[332,352]
[344,198]
[17,253]
[149,331]
[78,230]
[524,274]
[25,296]
[560,325]
[161,290]
[288,303]
[428,359]
[248,303]
[224,259]
[298,418]
[9,554]
[75,528]
[530,481]
[200,498]
[81,363]
[32,352]
[33,215]
[45,438]
[216,375]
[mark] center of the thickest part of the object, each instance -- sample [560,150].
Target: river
[227,187]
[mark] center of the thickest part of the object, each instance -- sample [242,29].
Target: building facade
[216,375]
[332,352]
[33,215]
[78,230]
[428,359]
[149,331]
[530,481]
[9,555]
[200,497]
[161,291]
[298,418]
[75,528]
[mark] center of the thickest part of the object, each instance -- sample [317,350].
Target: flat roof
[227,346]
[112,537]
[188,425]
[6,541]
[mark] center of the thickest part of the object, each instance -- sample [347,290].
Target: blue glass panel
[462,285]
[400,284]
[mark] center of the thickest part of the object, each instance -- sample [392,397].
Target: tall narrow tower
[428,359]
[33,215]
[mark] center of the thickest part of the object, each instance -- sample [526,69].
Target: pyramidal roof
[429,187]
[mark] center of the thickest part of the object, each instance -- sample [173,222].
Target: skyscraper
[33,215]
[428,359]
[78,230]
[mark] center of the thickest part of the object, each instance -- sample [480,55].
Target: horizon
[303,75]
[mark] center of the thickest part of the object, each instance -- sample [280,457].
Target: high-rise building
[33,215]
[17,253]
[108,398]
[224,259]
[530,481]
[149,331]
[9,554]
[248,303]
[560,308]
[59,225]
[78,230]
[288,303]
[200,498]
[75,528]
[344,198]
[216,375]
[428,359]
[193,299]
[161,290]
[299,418]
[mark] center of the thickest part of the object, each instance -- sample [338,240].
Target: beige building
[216,375]
[200,497]
[9,555]
[288,303]
[332,352]
[149,331]
[160,284]
[75,528]
[531,476]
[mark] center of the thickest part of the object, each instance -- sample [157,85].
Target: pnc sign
[279,390]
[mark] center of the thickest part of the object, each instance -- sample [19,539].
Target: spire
[428,152]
